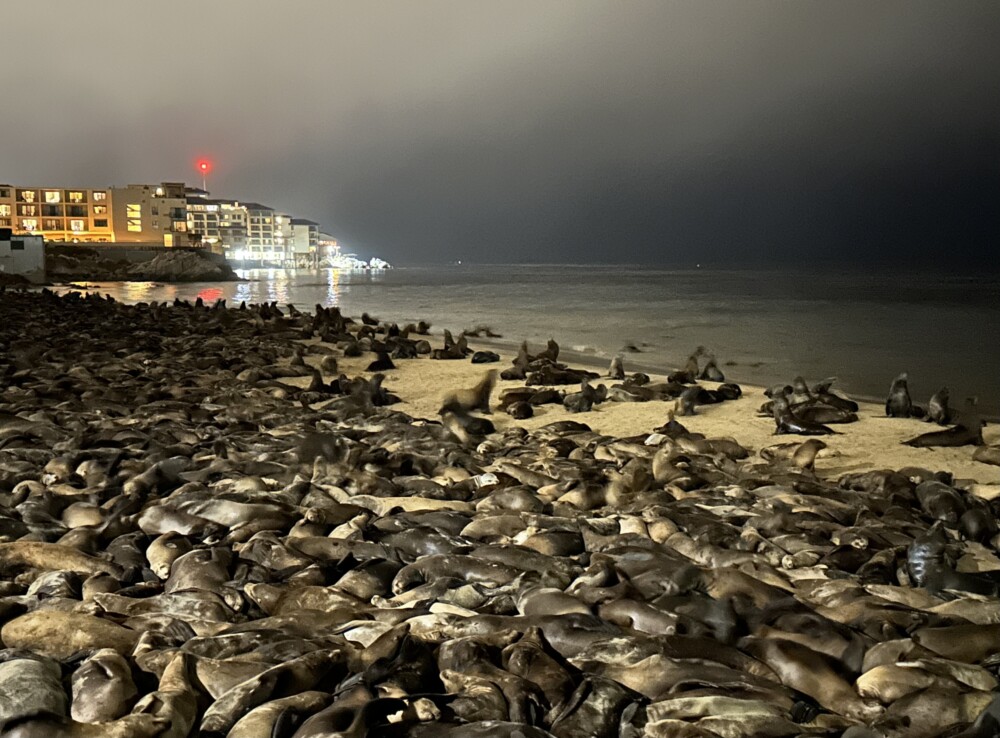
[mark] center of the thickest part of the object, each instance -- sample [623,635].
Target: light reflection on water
[333,293]
[304,288]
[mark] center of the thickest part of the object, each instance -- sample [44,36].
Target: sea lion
[967,432]
[485,357]
[475,398]
[690,399]
[584,400]
[520,410]
[803,455]
[711,371]
[898,403]
[520,364]
[617,368]
[550,353]
[102,688]
[267,718]
[689,373]
[466,428]
[352,714]
[786,421]
[821,391]
[824,414]
[931,712]
[987,455]
[283,680]
[51,556]
[29,688]
[813,674]
[937,409]
[60,635]
[164,550]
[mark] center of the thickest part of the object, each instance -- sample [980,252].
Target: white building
[22,255]
[269,235]
[220,225]
[305,241]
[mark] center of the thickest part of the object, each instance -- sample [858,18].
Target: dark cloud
[721,132]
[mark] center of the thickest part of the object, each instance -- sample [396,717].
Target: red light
[204,166]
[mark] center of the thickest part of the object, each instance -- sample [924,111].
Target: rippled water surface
[763,326]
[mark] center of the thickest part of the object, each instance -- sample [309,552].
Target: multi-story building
[220,225]
[75,215]
[150,214]
[168,214]
[269,234]
[6,206]
[305,240]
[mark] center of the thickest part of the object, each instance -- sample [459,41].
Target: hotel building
[57,214]
[167,214]
[150,214]
[220,225]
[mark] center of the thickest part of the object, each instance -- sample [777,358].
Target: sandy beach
[874,442]
[192,510]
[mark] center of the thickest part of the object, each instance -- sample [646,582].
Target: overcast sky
[551,131]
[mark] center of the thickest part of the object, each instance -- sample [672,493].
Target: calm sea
[763,326]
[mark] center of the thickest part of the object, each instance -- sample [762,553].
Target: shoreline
[865,370]
[422,382]
[635,364]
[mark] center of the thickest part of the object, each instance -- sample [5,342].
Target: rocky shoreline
[83,264]
[207,528]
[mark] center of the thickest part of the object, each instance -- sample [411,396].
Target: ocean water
[763,326]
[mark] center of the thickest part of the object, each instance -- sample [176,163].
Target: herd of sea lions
[205,530]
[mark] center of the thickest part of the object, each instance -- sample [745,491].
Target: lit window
[27,210]
[100,195]
[159,192]
[52,225]
[133,216]
[26,196]
[76,226]
[5,210]
[76,197]
[29,224]
[156,225]
[100,209]
[101,223]
[51,196]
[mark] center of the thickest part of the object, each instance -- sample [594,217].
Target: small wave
[584,349]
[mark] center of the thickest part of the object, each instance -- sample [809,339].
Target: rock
[181,266]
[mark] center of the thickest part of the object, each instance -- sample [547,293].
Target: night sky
[723,133]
